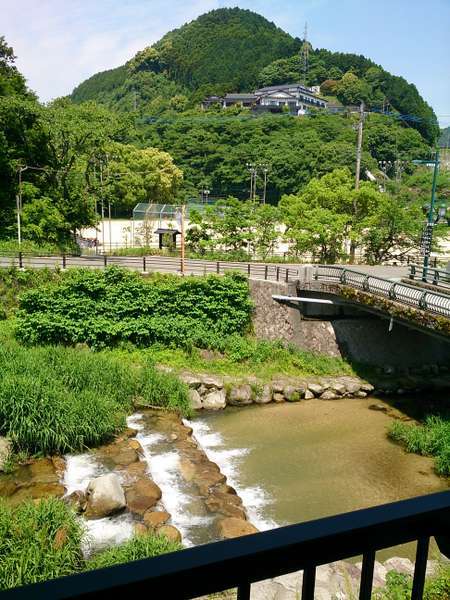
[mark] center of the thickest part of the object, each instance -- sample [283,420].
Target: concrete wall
[354,334]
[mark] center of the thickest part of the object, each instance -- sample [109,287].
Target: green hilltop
[232,49]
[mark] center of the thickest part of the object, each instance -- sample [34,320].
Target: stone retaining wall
[215,393]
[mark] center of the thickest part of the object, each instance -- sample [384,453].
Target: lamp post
[428,237]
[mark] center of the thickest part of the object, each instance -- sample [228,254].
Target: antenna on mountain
[304,56]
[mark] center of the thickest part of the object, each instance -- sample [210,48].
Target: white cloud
[59,44]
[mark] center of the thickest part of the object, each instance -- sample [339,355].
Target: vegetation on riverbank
[13,282]
[431,438]
[138,547]
[38,542]
[399,586]
[244,356]
[42,541]
[107,308]
[55,399]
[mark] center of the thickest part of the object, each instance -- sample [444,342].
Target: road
[164,264]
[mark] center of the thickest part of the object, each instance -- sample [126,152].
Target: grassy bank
[42,541]
[55,399]
[243,356]
[431,438]
[14,282]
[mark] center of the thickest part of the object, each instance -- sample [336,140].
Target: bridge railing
[393,290]
[241,562]
[429,275]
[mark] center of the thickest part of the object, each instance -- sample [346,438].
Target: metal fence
[241,562]
[155,263]
[393,290]
[430,275]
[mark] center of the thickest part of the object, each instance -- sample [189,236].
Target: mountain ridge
[233,49]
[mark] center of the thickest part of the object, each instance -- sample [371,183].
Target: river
[296,462]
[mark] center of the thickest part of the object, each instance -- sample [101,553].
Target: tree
[352,90]
[135,175]
[266,219]
[11,81]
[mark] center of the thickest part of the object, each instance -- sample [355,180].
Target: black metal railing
[429,275]
[240,562]
[410,295]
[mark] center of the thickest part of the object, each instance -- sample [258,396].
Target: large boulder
[231,527]
[144,494]
[240,395]
[264,396]
[170,532]
[195,399]
[155,518]
[104,496]
[214,400]
[291,393]
[192,381]
[316,388]
[329,395]
[212,382]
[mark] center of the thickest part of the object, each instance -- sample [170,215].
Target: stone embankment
[215,393]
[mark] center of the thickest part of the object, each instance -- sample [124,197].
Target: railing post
[412,272]
[278,273]
[63,261]
[366,286]
[243,591]
[20,260]
[392,291]
[287,275]
[309,583]
[423,301]
[342,277]
[218,268]
[144,264]
[420,568]
[436,277]
[105,260]
[249,269]
[365,588]
[266,272]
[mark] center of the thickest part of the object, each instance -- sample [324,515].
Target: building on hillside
[294,97]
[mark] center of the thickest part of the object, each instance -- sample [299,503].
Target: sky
[59,43]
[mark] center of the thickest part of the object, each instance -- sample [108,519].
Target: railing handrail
[422,298]
[239,562]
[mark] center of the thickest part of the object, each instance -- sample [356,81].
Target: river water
[296,462]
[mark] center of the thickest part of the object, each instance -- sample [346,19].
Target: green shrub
[13,282]
[38,542]
[57,399]
[106,308]
[139,547]
[399,586]
[432,438]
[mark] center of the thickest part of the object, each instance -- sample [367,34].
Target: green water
[317,458]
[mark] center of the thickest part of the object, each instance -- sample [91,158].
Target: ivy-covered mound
[107,308]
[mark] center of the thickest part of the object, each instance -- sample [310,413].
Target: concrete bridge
[370,314]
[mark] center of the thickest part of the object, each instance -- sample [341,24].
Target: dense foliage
[139,547]
[444,139]
[214,148]
[432,438]
[38,541]
[56,399]
[114,306]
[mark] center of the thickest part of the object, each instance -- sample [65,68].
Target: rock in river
[104,496]
[232,527]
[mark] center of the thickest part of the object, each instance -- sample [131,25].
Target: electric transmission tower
[304,56]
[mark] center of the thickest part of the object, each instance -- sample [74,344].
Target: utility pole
[304,56]
[359,145]
[102,205]
[182,239]
[265,171]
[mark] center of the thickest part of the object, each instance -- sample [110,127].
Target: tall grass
[432,438]
[55,399]
[139,547]
[38,542]
[41,541]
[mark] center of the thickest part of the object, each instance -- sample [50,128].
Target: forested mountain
[238,50]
